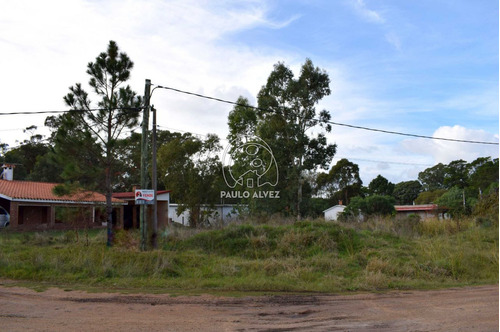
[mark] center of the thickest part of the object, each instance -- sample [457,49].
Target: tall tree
[381,186]
[483,173]
[432,178]
[99,126]
[342,182]
[287,109]
[407,191]
[457,174]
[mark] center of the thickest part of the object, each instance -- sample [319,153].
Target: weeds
[300,256]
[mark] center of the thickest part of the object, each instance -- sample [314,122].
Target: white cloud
[175,43]
[393,39]
[447,151]
[368,14]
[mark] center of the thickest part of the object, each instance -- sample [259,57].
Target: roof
[43,191]
[423,207]
[131,195]
[335,206]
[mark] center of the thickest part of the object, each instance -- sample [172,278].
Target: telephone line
[331,122]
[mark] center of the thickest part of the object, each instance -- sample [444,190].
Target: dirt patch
[458,309]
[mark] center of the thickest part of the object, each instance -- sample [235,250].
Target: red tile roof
[43,191]
[423,207]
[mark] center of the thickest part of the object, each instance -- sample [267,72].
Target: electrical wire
[383,161]
[74,110]
[331,122]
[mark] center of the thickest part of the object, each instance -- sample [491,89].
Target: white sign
[144,196]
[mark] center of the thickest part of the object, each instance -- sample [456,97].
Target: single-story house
[131,213]
[333,212]
[424,211]
[33,205]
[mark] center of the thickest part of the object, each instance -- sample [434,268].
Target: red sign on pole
[144,196]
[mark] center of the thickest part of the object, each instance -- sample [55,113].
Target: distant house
[131,210]
[424,211]
[333,212]
[33,205]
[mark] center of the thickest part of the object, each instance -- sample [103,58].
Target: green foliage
[192,170]
[483,173]
[87,139]
[370,206]
[456,202]
[487,208]
[427,197]
[341,183]
[433,177]
[287,109]
[406,192]
[457,174]
[26,155]
[381,186]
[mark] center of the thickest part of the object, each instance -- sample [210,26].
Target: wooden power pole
[154,236]
[144,164]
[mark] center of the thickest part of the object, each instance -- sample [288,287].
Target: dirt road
[458,309]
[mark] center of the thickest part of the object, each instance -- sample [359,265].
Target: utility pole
[144,164]
[154,236]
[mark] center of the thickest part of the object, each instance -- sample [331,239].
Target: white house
[218,213]
[333,212]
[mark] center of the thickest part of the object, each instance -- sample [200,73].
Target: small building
[33,205]
[334,212]
[131,213]
[424,211]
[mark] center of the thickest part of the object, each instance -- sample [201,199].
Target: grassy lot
[308,256]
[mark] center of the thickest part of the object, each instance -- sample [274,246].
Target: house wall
[34,215]
[333,212]
[25,215]
[421,214]
[219,213]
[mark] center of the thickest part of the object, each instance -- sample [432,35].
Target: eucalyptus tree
[286,111]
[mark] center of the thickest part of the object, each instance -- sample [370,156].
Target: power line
[331,122]
[336,157]
[383,161]
[73,110]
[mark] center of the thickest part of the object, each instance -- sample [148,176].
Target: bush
[370,206]
[409,225]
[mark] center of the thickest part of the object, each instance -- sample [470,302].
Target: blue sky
[421,67]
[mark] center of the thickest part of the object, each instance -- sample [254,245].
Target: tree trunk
[109,206]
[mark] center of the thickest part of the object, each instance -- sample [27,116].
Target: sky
[422,67]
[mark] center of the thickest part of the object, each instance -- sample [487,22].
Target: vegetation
[341,183]
[191,169]
[95,128]
[286,111]
[374,205]
[276,257]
